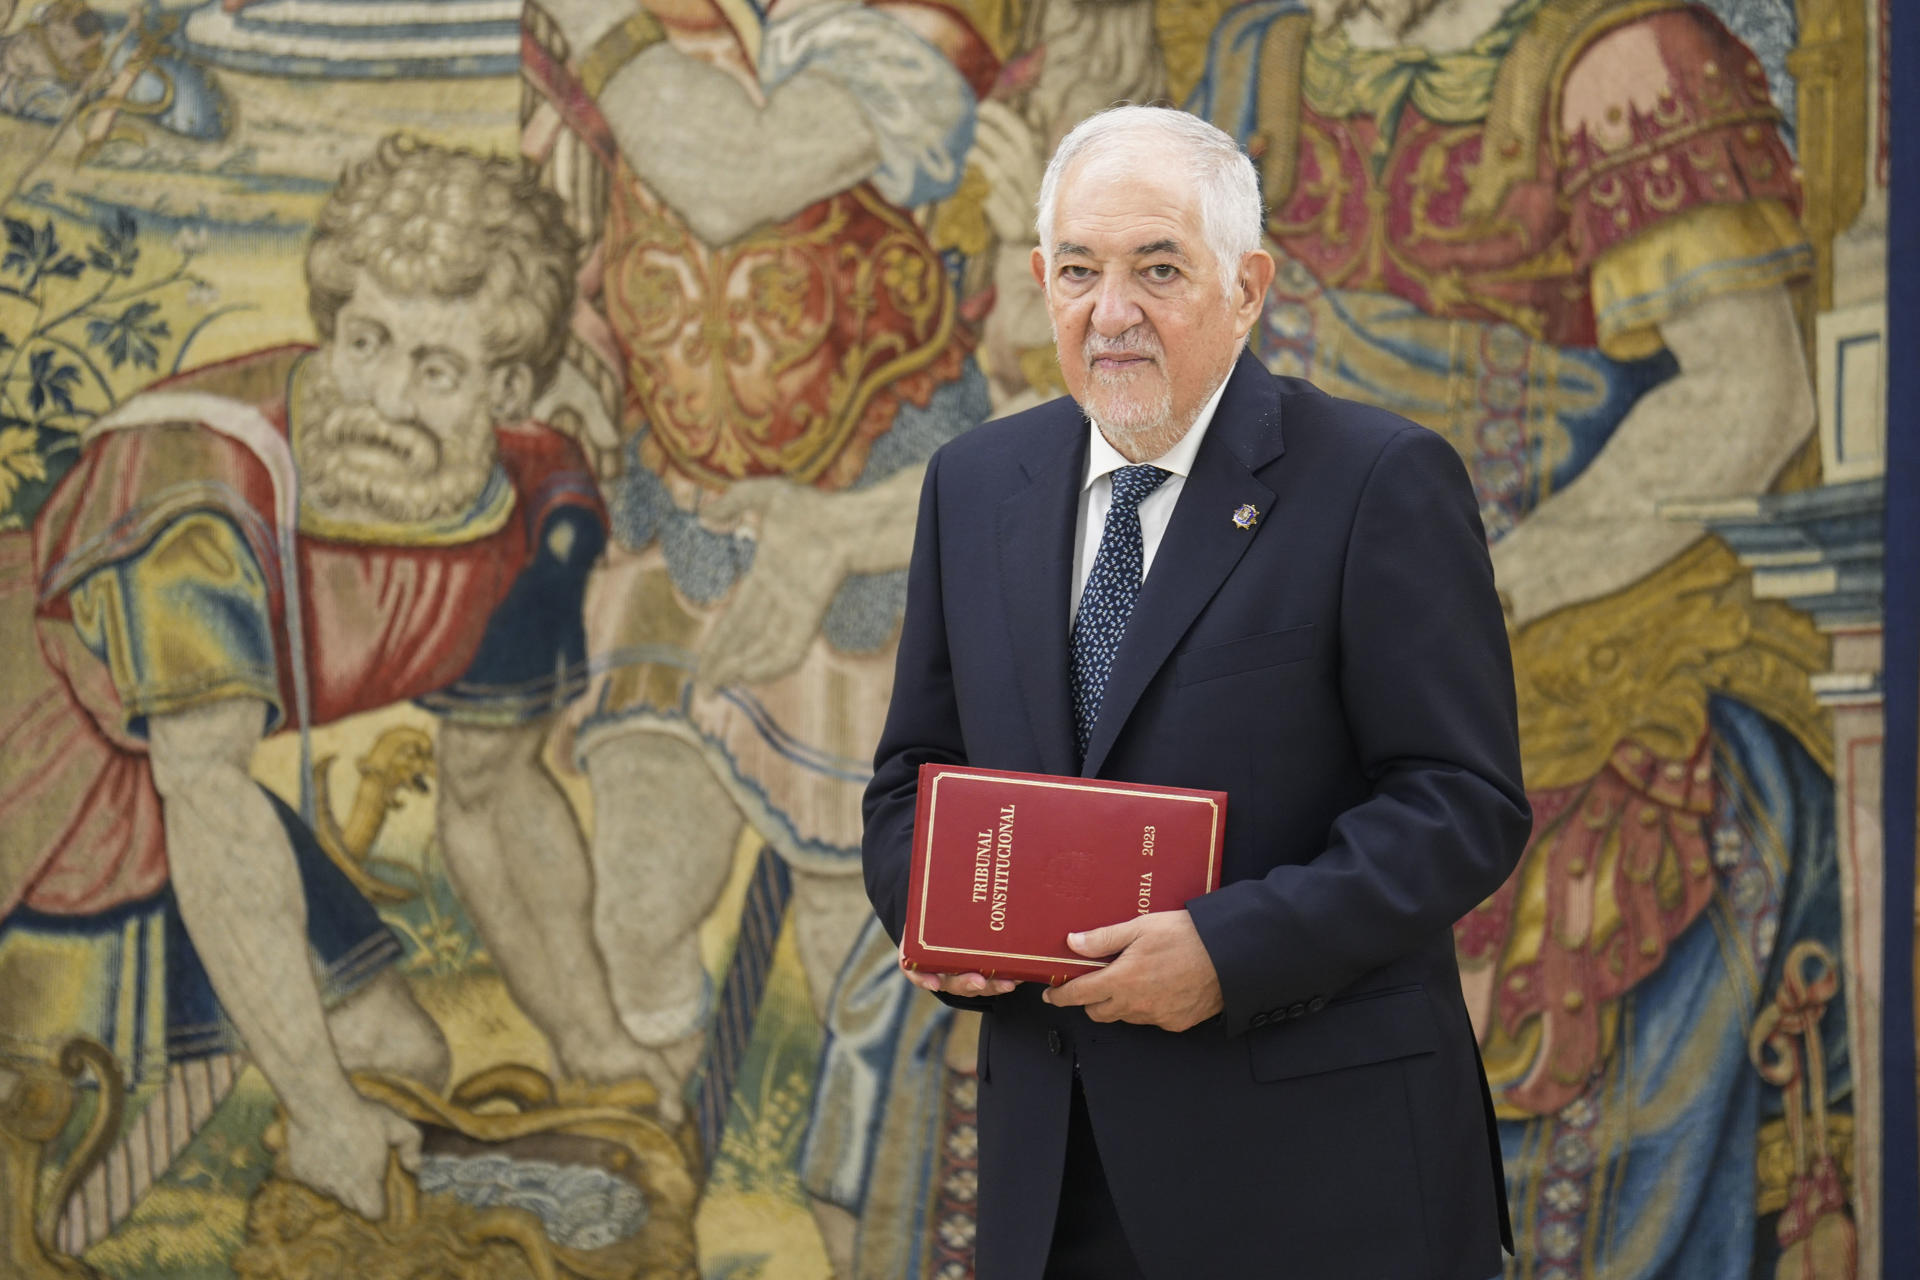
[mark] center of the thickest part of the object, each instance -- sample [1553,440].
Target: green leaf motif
[49,383]
[20,243]
[34,254]
[134,335]
[118,248]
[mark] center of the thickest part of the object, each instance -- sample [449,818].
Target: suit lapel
[1201,546]
[1036,571]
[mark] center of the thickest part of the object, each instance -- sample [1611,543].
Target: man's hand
[1162,976]
[344,1154]
[806,543]
[958,984]
[798,564]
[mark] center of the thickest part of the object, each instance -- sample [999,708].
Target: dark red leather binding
[1006,865]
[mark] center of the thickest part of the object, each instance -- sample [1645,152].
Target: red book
[1006,865]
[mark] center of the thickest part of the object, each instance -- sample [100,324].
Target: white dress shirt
[1156,510]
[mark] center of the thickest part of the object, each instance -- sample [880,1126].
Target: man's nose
[393,390]
[1116,309]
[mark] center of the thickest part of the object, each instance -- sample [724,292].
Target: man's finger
[973,986]
[958,984]
[753,642]
[671,1109]
[1107,941]
[405,1139]
[1087,989]
[774,654]
[729,648]
[978,984]
[924,981]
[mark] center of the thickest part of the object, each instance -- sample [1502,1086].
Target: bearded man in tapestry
[1564,233]
[280,541]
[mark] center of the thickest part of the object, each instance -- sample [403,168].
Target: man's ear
[1039,262]
[510,391]
[1250,294]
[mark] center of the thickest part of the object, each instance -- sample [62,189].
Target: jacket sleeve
[923,726]
[1426,680]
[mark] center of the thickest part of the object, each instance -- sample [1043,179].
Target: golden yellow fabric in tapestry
[617,48]
[960,221]
[109,985]
[1344,80]
[1704,252]
[1641,663]
[182,623]
[1185,29]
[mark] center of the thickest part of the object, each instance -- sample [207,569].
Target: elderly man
[281,541]
[1195,573]
[1565,235]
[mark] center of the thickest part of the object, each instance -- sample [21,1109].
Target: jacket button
[1316,1004]
[1258,1020]
[1053,1042]
[1297,1011]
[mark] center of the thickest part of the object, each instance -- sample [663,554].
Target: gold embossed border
[926,855]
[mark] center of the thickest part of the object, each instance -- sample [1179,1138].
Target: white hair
[1231,214]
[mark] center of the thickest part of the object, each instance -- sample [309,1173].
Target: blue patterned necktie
[1113,585]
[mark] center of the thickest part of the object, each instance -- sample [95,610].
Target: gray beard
[1123,419]
[1132,418]
[417,478]
[1143,426]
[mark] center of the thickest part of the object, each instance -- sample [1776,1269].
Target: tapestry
[458,468]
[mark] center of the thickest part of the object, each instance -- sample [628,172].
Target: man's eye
[1073,271]
[1161,272]
[441,377]
[363,343]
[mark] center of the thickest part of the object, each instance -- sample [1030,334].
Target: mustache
[1137,341]
[358,424]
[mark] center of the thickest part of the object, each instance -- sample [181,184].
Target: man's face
[396,423]
[1143,322]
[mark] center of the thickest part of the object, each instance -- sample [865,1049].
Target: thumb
[1105,941]
[669,1106]
[404,1138]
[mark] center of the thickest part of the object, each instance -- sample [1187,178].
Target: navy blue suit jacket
[1342,671]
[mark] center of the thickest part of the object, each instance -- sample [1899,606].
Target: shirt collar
[1103,458]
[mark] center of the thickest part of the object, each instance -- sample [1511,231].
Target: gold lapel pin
[1247,516]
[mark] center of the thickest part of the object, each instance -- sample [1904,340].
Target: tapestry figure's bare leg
[516,858]
[665,830]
